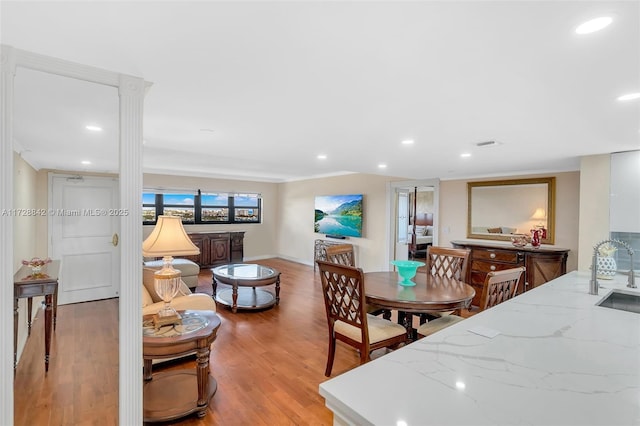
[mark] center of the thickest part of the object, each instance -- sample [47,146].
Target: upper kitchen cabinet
[624,205]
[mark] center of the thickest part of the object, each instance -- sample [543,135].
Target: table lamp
[540,215]
[168,239]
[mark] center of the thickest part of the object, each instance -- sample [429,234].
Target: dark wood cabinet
[218,248]
[542,264]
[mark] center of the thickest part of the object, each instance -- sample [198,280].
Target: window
[148,208]
[214,208]
[246,208]
[201,208]
[182,205]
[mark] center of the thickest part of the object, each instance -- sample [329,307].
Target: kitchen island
[557,359]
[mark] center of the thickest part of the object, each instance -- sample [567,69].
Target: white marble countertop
[558,360]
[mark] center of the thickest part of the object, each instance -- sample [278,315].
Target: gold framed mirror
[498,209]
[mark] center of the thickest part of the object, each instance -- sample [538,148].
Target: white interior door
[83,224]
[402,247]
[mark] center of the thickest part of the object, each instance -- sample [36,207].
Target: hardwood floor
[268,363]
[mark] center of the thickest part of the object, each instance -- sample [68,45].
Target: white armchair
[185,299]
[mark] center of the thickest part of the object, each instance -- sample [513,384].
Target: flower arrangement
[36,262]
[607,250]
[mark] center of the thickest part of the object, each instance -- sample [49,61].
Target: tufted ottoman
[189,270]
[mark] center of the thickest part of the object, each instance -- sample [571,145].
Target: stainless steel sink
[622,301]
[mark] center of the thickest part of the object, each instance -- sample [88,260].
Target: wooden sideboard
[218,248]
[542,264]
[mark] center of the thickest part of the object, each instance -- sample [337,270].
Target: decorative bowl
[519,240]
[407,269]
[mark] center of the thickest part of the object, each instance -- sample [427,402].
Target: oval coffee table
[243,279]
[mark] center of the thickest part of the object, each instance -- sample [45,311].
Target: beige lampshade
[169,238]
[539,214]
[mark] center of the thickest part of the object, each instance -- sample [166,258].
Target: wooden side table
[29,285]
[178,393]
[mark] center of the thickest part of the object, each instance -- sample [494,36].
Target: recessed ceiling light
[382,166]
[594,25]
[86,162]
[629,97]
[94,128]
[321,157]
[407,142]
[465,154]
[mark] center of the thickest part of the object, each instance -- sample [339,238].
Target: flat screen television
[339,215]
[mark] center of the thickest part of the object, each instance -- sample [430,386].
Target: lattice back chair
[448,262]
[342,254]
[348,321]
[500,286]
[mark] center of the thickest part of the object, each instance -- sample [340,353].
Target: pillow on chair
[147,282]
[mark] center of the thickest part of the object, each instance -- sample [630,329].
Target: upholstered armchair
[185,299]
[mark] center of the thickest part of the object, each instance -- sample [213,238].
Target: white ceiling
[274,84]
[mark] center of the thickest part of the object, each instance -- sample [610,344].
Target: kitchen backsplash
[621,256]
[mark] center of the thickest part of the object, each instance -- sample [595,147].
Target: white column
[7,73]
[131,92]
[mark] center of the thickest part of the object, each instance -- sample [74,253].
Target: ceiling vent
[486,143]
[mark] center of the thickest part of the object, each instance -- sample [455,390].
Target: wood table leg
[148,369]
[406,320]
[202,372]
[55,307]
[234,305]
[48,313]
[29,311]
[15,335]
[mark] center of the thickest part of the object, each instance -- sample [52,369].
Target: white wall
[594,205]
[259,238]
[25,235]
[295,230]
[453,211]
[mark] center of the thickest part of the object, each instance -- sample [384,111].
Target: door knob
[114,240]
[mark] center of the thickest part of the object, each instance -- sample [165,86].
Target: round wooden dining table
[430,294]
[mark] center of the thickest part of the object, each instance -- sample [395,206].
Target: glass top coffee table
[243,279]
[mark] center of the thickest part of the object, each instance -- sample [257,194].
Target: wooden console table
[542,264]
[28,285]
[173,394]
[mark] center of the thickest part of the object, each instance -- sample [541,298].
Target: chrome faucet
[593,284]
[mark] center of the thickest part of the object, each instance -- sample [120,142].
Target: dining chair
[342,254]
[348,321]
[498,287]
[446,262]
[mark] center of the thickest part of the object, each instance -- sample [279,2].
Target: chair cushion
[435,325]
[146,297]
[196,301]
[186,266]
[379,329]
[147,282]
